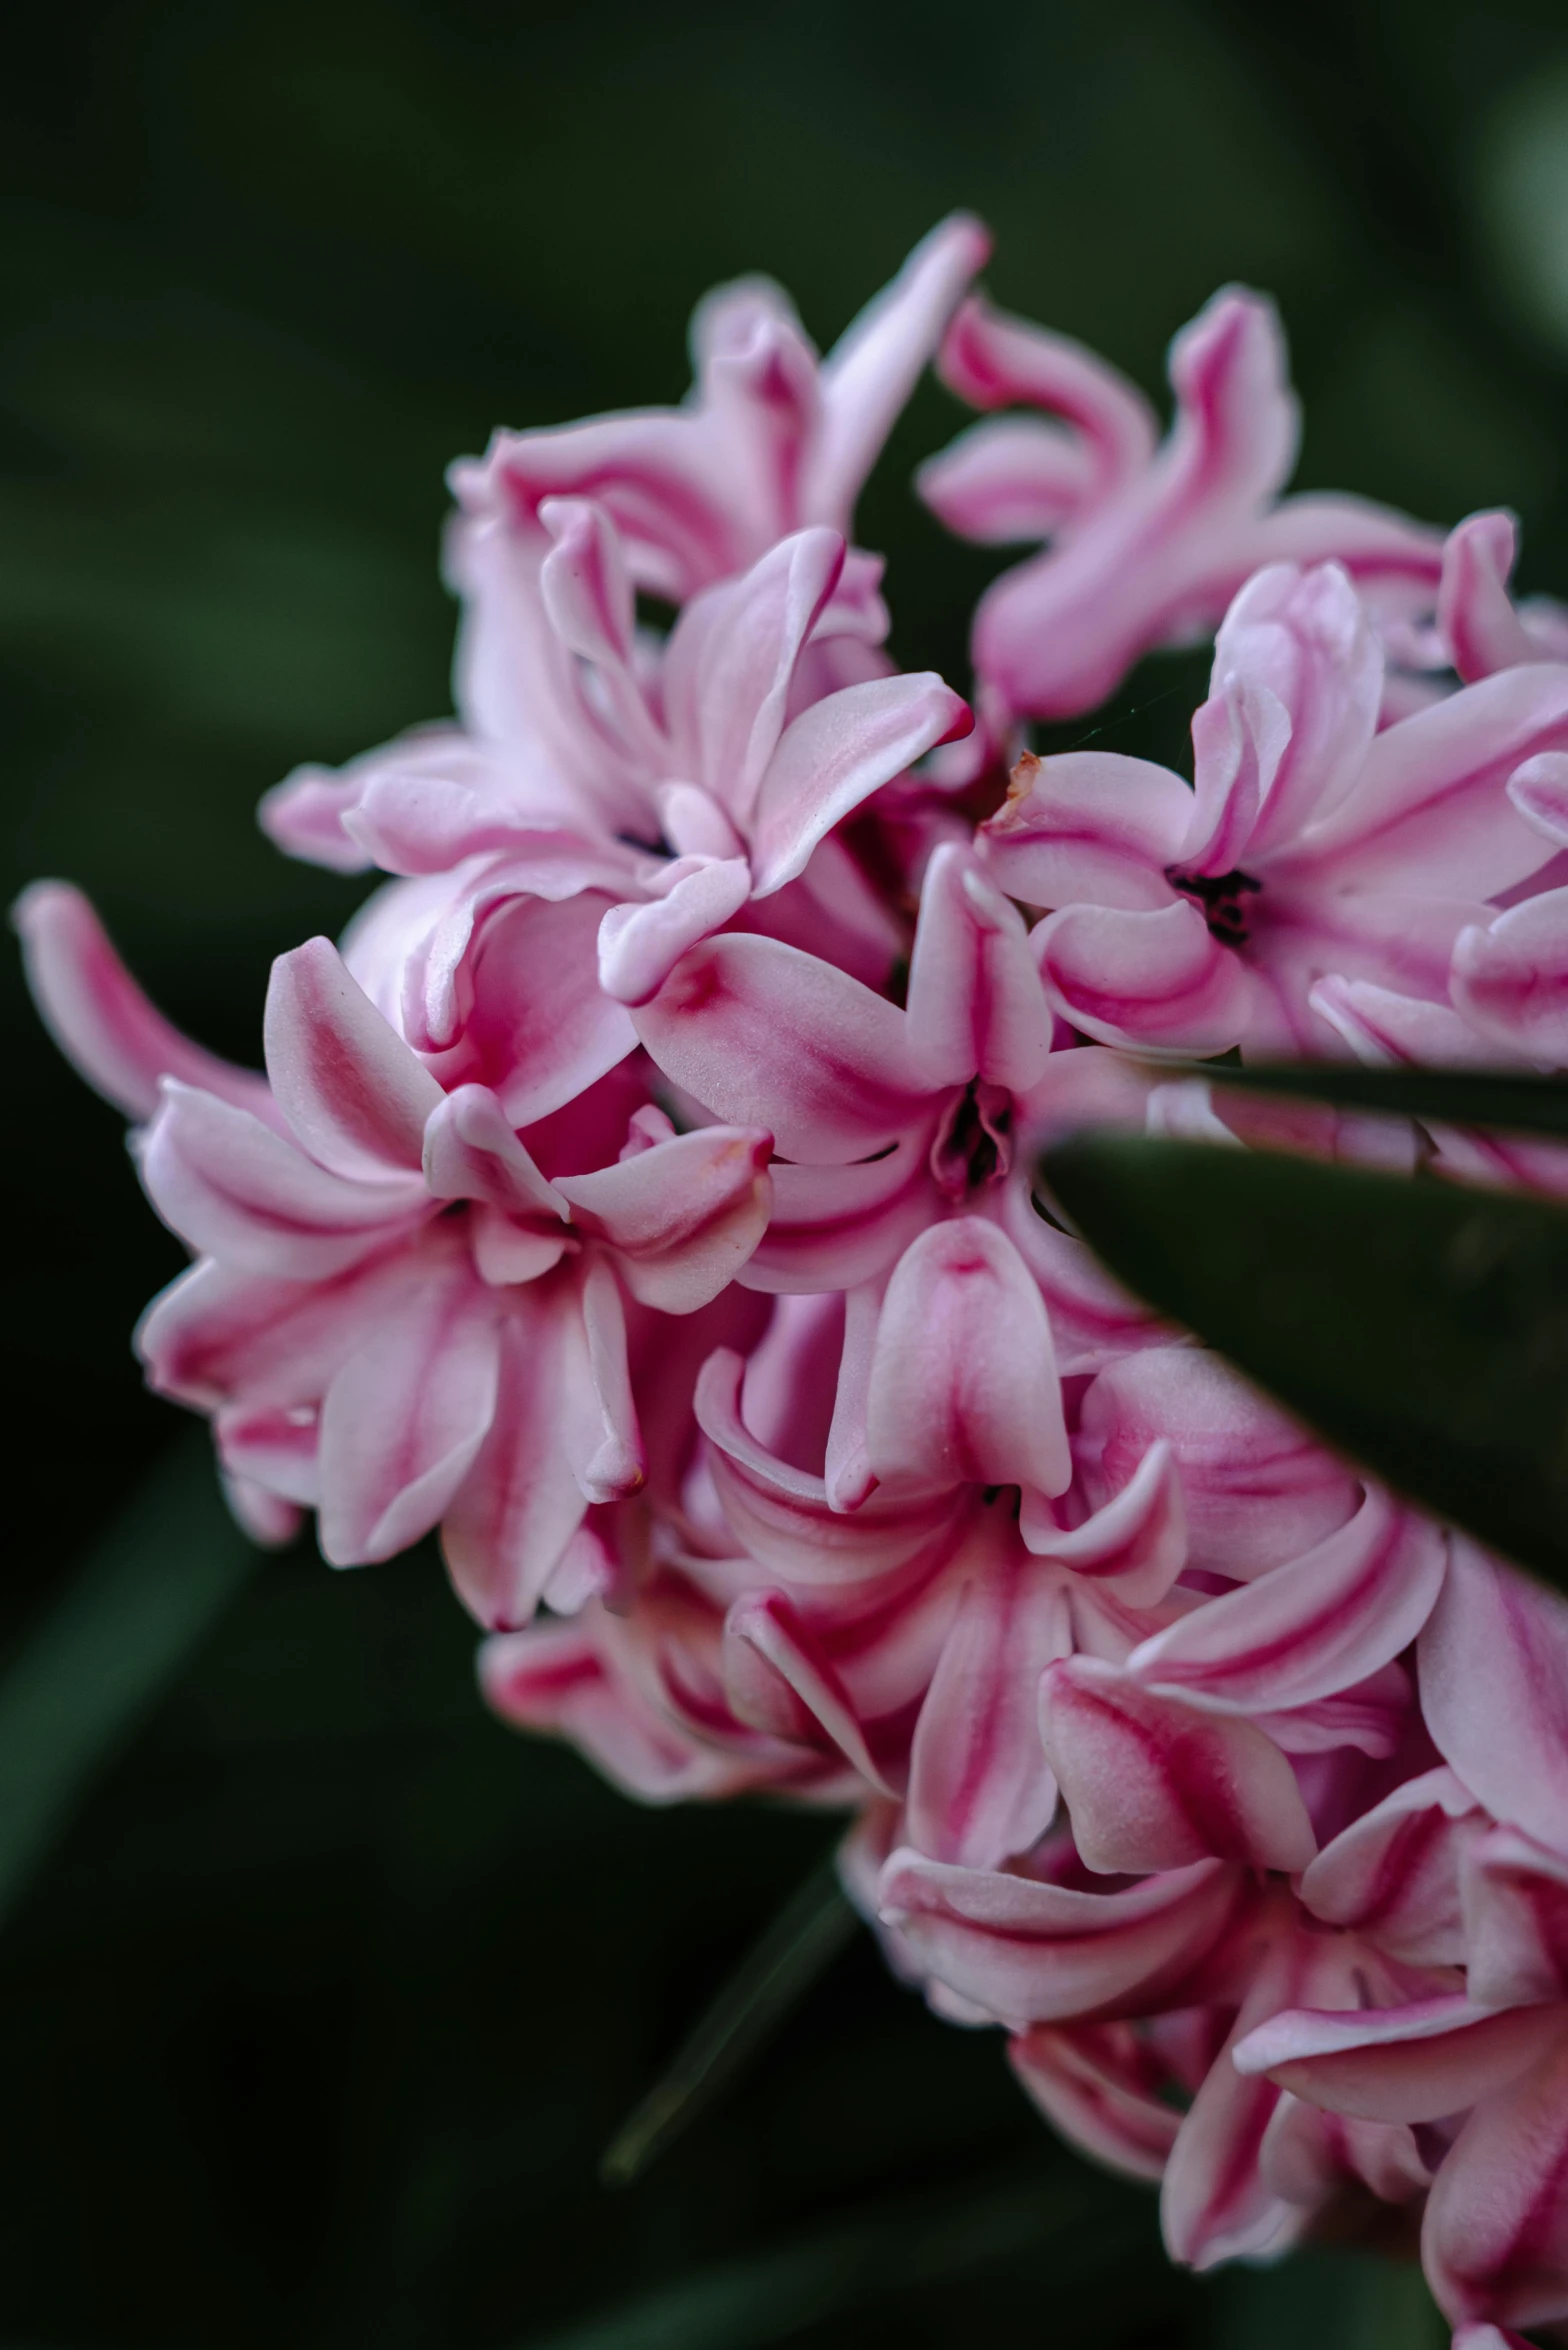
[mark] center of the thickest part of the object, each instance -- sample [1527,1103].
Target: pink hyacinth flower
[1314,846]
[1148,544]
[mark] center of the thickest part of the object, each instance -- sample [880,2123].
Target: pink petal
[683,1217]
[782,1516]
[1414,2063]
[731,663]
[1029,1953]
[353,1092]
[471,1152]
[639,946]
[1475,615]
[303,816]
[1093,1322]
[1516,1920]
[238,1190]
[1239,738]
[1393,1874]
[404,1418]
[835,755]
[1137,1540]
[1510,980]
[1152,1783]
[1495,2242]
[586,589]
[766,1036]
[1539,790]
[1430,812]
[100,1019]
[600,1433]
[1257,1491]
[779,1680]
[1305,639]
[1308,2156]
[541,1030]
[836,1227]
[1312,1627]
[1494,1689]
[1155,980]
[520,1504]
[1010,479]
[1090,826]
[980,1789]
[1091,2081]
[994,361]
[975,1004]
[964,1383]
[873,367]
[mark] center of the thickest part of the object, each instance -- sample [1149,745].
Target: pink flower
[772,440]
[1313,845]
[1148,544]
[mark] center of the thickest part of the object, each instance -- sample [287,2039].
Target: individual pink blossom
[1148,543]
[1313,846]
[771,441]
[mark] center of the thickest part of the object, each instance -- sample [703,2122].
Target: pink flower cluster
[641,1195]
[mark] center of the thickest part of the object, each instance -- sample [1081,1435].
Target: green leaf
[924,2240]
[1453,1097]
[800,1944]
[115,1637]
[1422,1327]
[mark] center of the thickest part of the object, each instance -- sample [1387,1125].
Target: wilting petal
[767,1036]
[404,1418]
[1257,1491]
[835,755]
[980,1789]
[964,1382]
[1495,2241]
[1156,980]
[1095,2083]
[872,368]
[1394,1874]
[975,1003]
[1307,1629]
[349,1086]
[682,1217]
[1137,1540]
[1153,1783]
[100,1019]
[1510,980]
[1028,1953]
[520,1504]
[238,1190]
[1516,1920]
[1475,614]
[1088,827]
[1395,2064]
[1494,1689]
[779,1680]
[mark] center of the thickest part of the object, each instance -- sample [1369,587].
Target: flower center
[973,1145]
[1223,898]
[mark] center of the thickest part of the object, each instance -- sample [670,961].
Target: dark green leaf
[1421,1326]
[803,1940]
[1453,1097]
[112,1641]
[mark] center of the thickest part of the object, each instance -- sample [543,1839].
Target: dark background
[319,2010]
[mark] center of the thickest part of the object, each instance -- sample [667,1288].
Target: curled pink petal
[682,1217]
[1157,980]
[1510,980]
[639,946]
[1394,1873]
[1136,1540]
[1095,2083]
[1413,2063]
[1475,615]
[349,1086]
[1088,825]
[1515,1895]
[1495,2240]
[1152,1783]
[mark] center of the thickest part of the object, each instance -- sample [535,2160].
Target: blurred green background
[316,2012]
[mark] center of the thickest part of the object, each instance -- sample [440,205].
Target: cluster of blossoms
[641,1195]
